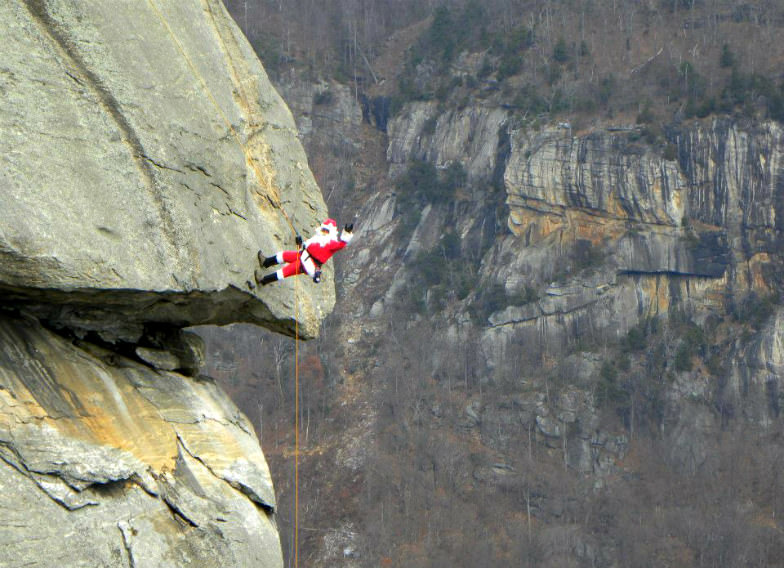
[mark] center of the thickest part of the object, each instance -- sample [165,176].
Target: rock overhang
[139,184]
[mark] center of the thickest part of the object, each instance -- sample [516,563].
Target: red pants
[295,265]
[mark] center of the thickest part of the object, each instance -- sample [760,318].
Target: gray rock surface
[107,462]
[145,159]
[469,136]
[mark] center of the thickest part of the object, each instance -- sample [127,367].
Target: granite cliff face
[108,462]
[145,159]
[708,212]
[128,132]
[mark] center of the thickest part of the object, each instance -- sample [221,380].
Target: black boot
[267,261]
[264,280]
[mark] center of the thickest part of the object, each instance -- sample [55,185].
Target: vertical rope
[296,426]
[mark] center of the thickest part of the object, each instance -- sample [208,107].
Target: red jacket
[321,247]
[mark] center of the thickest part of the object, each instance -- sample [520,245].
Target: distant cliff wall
[603,233]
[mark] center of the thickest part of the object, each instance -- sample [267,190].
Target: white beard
[323,239]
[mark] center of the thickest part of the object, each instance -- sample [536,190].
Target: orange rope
[296,427]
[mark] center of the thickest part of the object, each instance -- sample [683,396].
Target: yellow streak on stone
[660,296]
[118,416]
[595,229]
[246,95]
[84,399]
[112,413]
[615,209]
[13,411]
[573,224]
[543,224]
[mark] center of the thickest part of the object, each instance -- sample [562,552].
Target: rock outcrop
[107,462]
[145,159]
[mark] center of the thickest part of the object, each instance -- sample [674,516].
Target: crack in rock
[127,531]
[243,488]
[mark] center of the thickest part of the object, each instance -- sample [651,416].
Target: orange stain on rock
[85,399]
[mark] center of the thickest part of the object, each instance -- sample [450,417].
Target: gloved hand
[349,227]
[298,240]
[317,276]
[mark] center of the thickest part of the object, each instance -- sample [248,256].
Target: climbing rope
[296,430]
[274,198]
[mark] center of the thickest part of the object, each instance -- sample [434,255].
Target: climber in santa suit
[312,255]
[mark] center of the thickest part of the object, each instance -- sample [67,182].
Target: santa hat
[329,225]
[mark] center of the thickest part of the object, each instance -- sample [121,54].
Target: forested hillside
[557,340]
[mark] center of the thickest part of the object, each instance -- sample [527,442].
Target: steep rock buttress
[145,159]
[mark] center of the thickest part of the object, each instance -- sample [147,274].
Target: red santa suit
[315,252]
